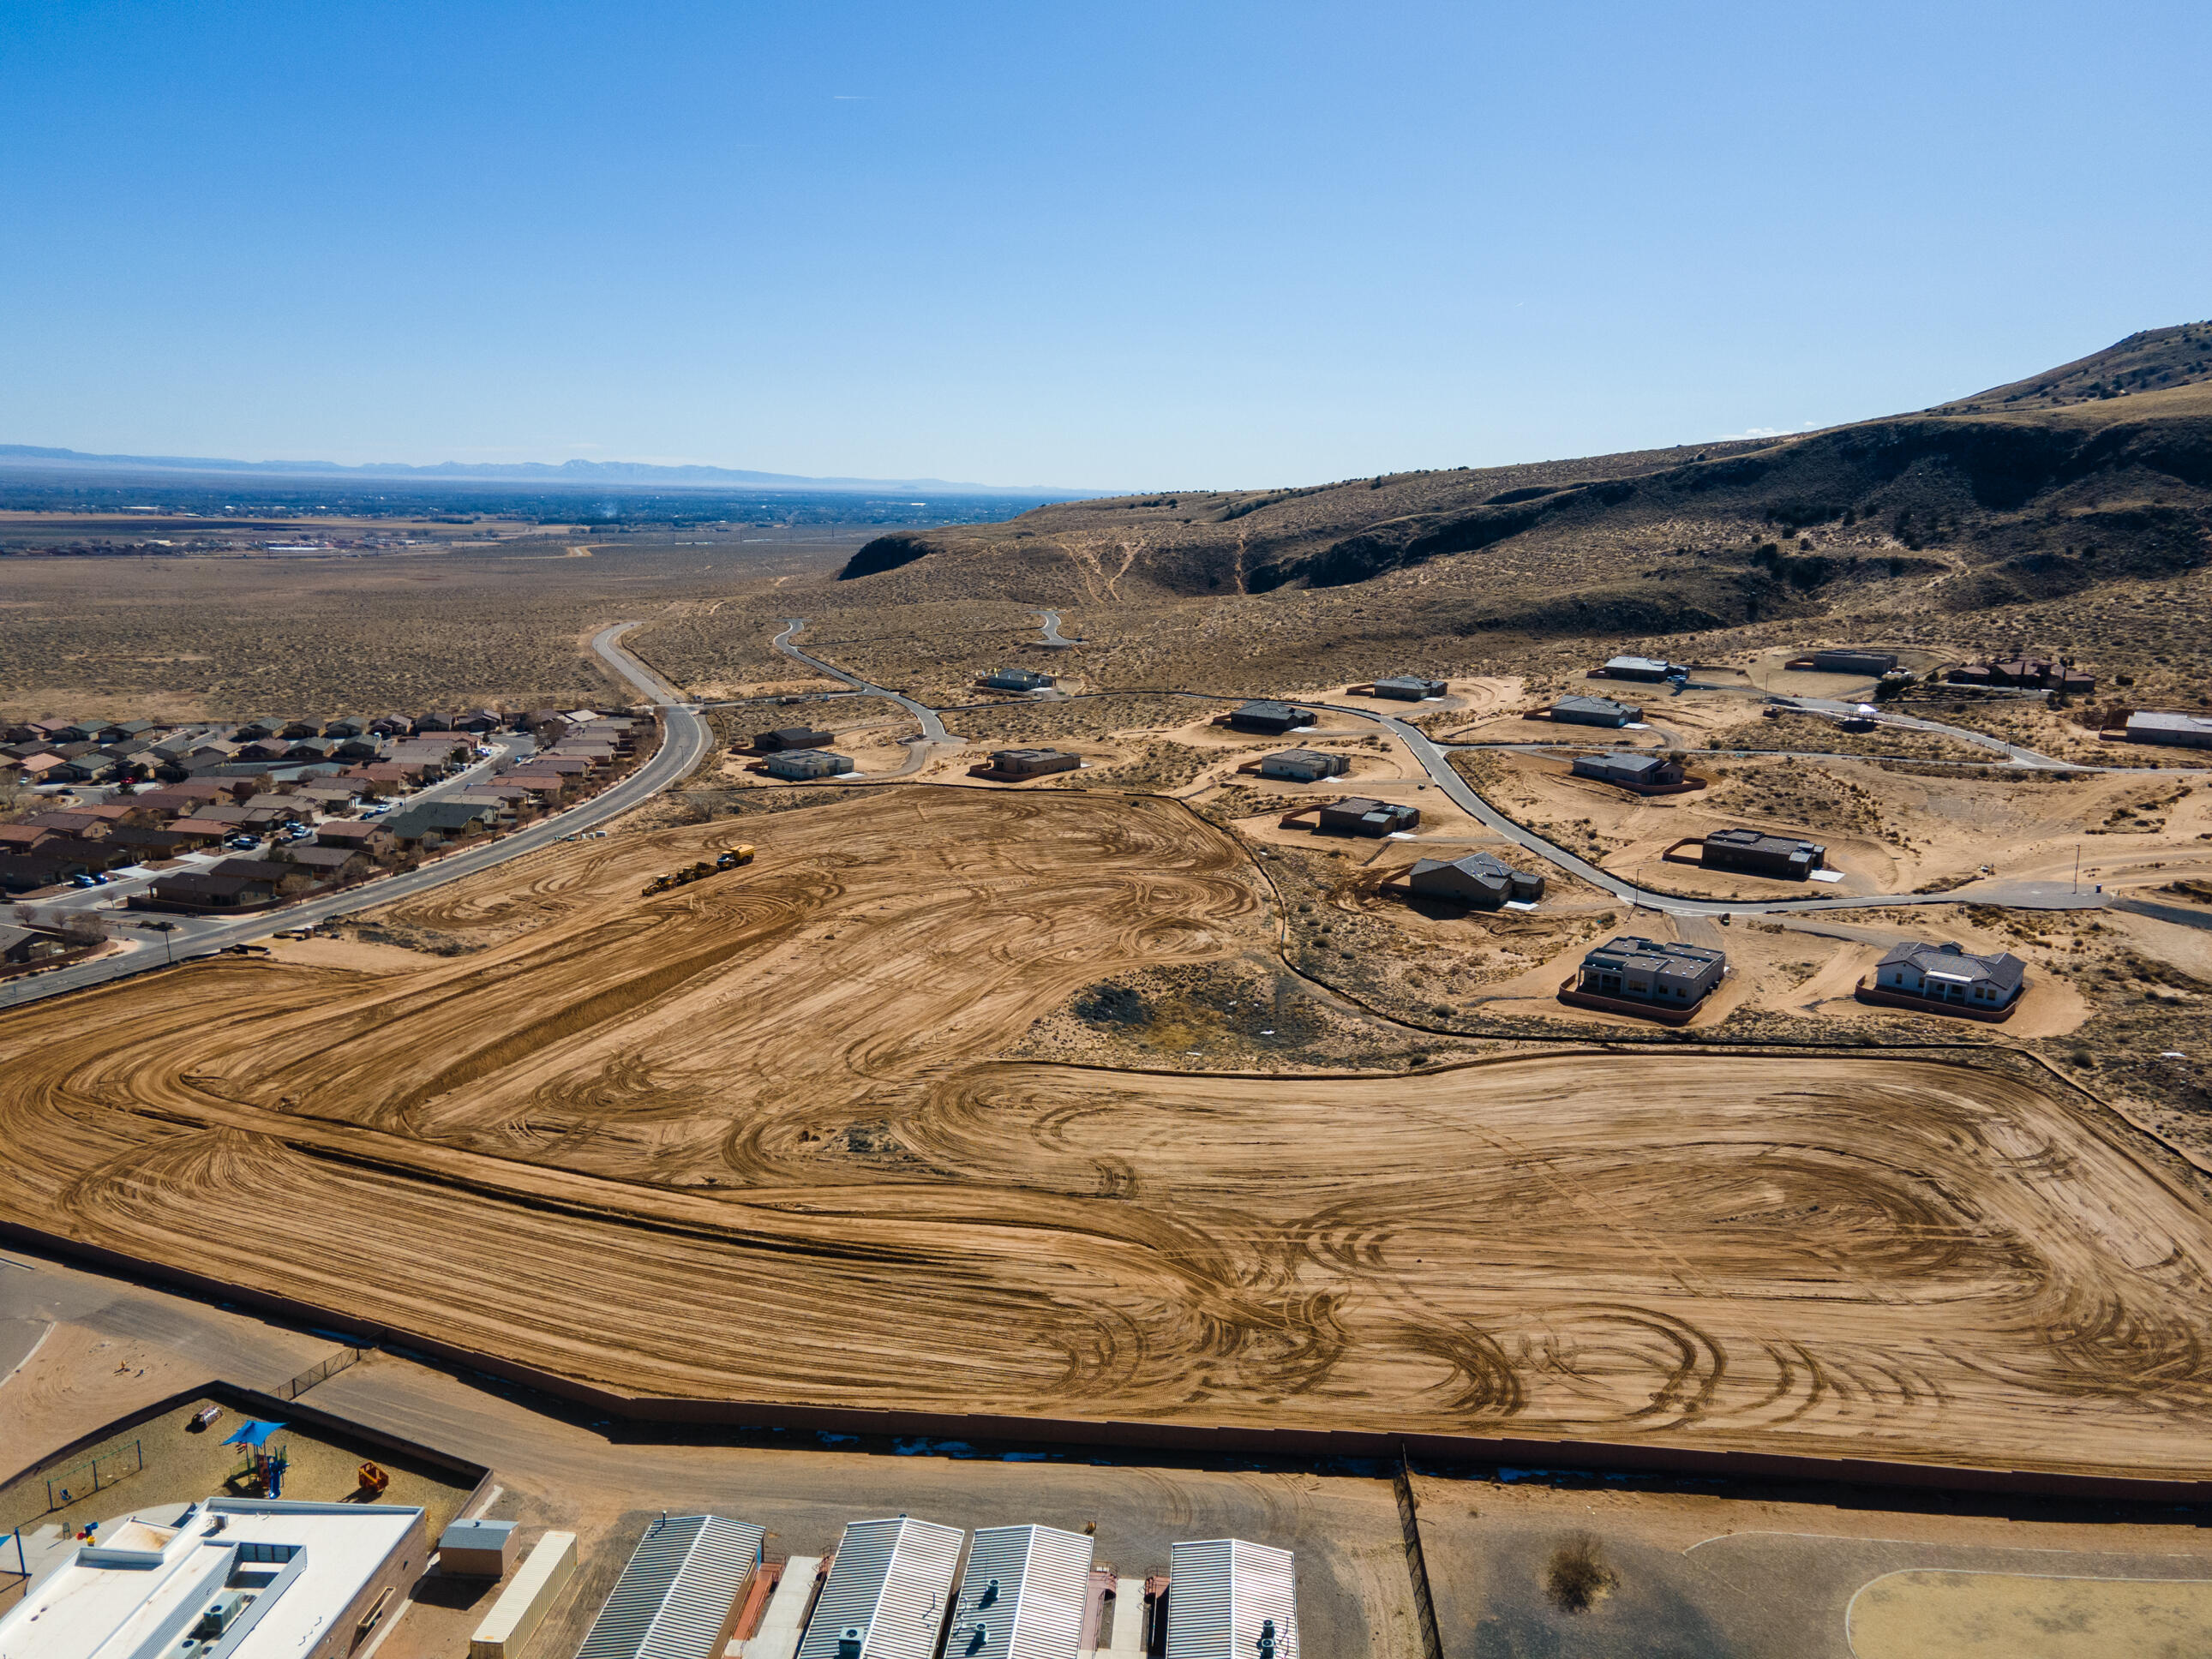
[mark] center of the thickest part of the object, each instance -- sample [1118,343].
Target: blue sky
[1143,246]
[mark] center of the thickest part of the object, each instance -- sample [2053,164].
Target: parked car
[82,881]
[241,843]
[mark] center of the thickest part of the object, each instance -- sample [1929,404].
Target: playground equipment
[263,1468]
[373,1481]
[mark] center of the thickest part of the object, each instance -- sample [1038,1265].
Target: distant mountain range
[584,474]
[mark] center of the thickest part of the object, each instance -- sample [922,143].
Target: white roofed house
[1229,1599]
[1021,1596]
[887,1592]
[1951,974]
[676,1597]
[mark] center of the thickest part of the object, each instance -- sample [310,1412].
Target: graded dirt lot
[747,1139]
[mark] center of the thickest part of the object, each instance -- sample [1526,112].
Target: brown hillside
[2156,360]
[2012,503]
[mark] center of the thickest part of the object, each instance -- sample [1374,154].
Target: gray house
[799,765]
[2183,731]
[1017,679]
[1635,771]
[1304,765]
[1409,688]
[1579,710]
[1949,973]
[1755,852]
[1480,879]
[1641,970]
[792,737]
[1266,714]
[1357,815]
[1638,668]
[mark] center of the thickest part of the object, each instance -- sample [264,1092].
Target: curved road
[933,734]
[684,744]
[1049,620]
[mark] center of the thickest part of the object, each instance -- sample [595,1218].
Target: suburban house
[799,765]
[1949,973]
[1357,815]
[1027,762]
[329,864]
[1479,879]
[432,823]
[1637,668]
[1628,769]
[1595,711]
[355,835]
[1408,687]
[1267,715]
[1755,852]
[19,947]
[1016,680]
[210,890]
[792,737]
[1304,765]
[2028,673]
[1641,970]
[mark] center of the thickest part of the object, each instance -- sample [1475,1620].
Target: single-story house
[1017,679]
[1304,765]
[20,946]
[1641,970]
[1627,768]
[355,835]
[1266,715]
[1595,711]
[1358,815]
[1759,854]
[429,824]
[202,889]
[24,872]
[2180,731]
[792,737]
[1638,668]
[1480,879]
[1950,973]
[329,863]
[1409,688]
[800,764]
[1031,762]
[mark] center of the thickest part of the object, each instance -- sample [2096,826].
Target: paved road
[2012,751]
[684,744]
[933,736]
[1050,622]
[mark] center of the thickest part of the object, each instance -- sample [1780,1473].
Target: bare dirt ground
[747,1139]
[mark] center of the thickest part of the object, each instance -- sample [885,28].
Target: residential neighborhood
[211,820]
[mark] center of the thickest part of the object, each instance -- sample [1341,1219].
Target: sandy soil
[746,1138]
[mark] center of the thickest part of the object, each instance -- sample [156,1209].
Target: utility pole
[2077,866]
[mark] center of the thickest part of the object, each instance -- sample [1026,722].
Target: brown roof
[346,833]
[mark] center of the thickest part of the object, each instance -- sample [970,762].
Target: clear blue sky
[1135,244]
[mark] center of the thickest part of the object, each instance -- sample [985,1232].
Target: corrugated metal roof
[1021,1596]
[1226,1598]
[891,1581]
[674,1596]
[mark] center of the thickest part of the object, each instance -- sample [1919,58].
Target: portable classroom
[1022,1595]
[887,1592]
[1228,1599]
[675,1597]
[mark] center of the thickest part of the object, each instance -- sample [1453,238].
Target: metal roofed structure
[674,1599]
[1022,1595]
[887,1592]
[1228,1599]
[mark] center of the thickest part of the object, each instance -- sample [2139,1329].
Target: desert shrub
[1578,1573]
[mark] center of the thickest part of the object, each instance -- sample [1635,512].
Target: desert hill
[2096,471]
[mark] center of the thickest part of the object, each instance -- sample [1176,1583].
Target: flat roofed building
[800,764]
[1022,1595]
[1017,679]
[1846,660]
[887,1591]
[2183,731]
[1637,771]
[1637,668]
[1033,762]
[792,737]
[1949,973]
[1478,878]
[1304,765]
[1358,815]
[675,1597]
[477,1549]
[1675,975]
[1595,711]
[1229,1599]
[1266,714]
[522,1606]
[1409,688]
[226,1578]
[1759,854]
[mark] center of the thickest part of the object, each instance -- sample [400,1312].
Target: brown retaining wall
[1301,1444]
[1876,996]
[1652,1010]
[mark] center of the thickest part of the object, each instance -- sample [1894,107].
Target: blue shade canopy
[253,1432]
